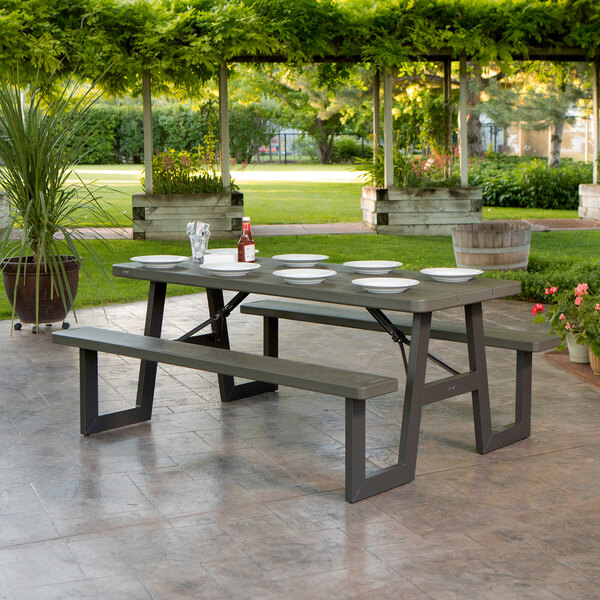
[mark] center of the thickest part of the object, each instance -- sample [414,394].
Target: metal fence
[289,147]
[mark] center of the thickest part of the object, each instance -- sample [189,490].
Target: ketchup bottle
[246,247]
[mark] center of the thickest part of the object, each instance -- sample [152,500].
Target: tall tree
[541,96]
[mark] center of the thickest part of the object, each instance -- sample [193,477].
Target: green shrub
[249,129]
[130,135]
[544,272]
[347,148]
[100,146]
[529,183]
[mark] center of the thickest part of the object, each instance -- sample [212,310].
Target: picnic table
[419,303]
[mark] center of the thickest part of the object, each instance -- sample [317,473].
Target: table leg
[220,334]
[358,486]
[153,327]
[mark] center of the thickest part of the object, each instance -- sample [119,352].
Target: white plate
[304,276]
[159,261]
[300,260]
[384,285]
[230,269]
[373,267]
[451,275]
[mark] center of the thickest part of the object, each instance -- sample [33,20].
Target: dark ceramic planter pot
[52,307]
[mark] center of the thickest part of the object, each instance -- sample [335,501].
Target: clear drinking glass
[199,234]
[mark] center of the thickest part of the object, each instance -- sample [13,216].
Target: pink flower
[568,326]
[578,300]
[537,308]
[550,290]
[562,316]
[597,307]
[582,288]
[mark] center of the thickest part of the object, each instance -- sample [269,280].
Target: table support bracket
[400,338]
[218,316]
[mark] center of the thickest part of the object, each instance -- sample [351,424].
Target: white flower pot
[578,353]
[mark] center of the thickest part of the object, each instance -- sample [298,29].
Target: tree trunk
[324,139]
[474,143]
[556,135]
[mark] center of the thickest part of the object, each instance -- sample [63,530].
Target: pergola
[445,57]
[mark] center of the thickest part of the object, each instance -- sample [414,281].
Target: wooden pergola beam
[462,124]
[388,131]
[376,112]
[224,127]
[549,54]
[148,144]
[596,121]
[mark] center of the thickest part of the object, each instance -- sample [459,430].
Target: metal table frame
[417,393]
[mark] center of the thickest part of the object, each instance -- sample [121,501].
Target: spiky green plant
[40,140]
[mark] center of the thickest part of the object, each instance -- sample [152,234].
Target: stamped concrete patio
[245,500]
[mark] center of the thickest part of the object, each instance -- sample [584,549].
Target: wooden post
[596,121]
[148,147]
[388,130]
[448,110]
[224,127]
[462,124]
[376,110]
[520,138]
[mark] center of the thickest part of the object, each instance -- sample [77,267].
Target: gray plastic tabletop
[428,296]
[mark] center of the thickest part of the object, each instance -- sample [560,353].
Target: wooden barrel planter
[492,245]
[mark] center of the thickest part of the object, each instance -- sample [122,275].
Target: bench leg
[521,428]
[358,486]
[90,420]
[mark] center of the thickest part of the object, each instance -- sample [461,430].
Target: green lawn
[275,202]
[415,252]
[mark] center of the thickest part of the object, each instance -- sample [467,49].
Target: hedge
[529,183]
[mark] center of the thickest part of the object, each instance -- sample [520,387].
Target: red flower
[550,290]
[537,308]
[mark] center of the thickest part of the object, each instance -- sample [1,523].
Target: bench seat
[354,386]
[495,336]
[523,342]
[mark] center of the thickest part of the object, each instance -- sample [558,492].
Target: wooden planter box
[419,211]
[165,216]
[589,201]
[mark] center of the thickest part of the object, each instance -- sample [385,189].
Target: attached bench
[523,342]
[355,387]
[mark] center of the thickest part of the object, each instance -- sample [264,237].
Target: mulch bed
[581,370]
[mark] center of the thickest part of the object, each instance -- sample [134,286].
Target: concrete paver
[245,499]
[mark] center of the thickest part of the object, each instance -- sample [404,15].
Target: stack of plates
[451,275]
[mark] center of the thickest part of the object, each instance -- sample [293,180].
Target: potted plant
[187,186]
[565,315]
[41,249]
[590,328]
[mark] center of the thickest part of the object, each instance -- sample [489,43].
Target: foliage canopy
[182,42]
